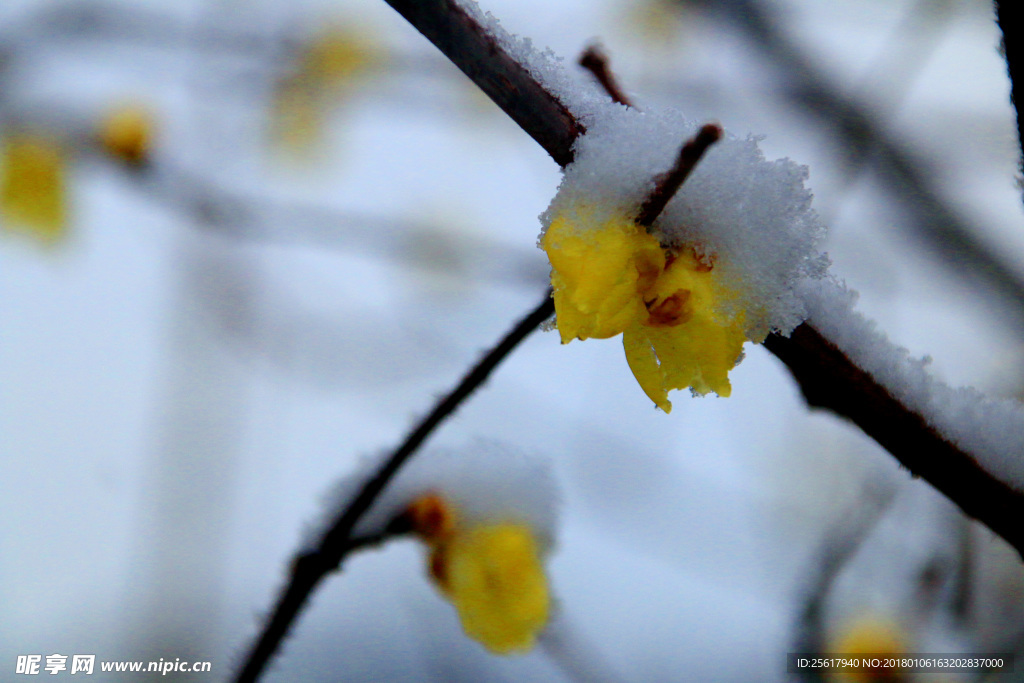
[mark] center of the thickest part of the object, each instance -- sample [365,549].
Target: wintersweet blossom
[32,185]
[492,573]
[667,304]
[328,66]
[126,133]
[869,635]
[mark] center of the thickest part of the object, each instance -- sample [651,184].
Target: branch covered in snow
[827,376]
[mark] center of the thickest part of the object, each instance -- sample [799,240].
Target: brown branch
[595,61]
[461,38]
[849,391]
[828,379]
[310,568]
[667,184]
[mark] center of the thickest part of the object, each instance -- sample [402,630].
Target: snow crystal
[486,481]
[753,217]
[991,430]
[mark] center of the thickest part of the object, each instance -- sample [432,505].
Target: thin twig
[595,61]
[479,55]
[309,568]
[669,183]
[666,184]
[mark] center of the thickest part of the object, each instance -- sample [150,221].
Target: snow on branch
[541,97]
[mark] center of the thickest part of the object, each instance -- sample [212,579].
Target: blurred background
[245,245]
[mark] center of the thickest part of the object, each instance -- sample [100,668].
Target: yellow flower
[32,192]
[492,573]
[869,635]
[335,60]
[668,305]
[127,134]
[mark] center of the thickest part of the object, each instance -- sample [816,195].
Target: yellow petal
[494,576]
[32,193]
[597,274]
[643,361]
[872,635]
[686,341]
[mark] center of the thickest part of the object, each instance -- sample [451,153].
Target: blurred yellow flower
[331,63]
[668,305]
[492,573]
[869,635]
[127,133]
[32,185]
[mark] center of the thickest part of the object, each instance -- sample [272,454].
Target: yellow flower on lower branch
[494,577]
[492,573]
[668,304]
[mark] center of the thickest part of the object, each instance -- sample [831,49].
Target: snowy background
[215,342]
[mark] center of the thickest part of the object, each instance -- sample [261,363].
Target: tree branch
[310,568]
[1011,22]
[827,377]
[461,38]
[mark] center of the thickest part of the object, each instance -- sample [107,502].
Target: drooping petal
[643,361]
[494,576]
[597,275]
[686,340]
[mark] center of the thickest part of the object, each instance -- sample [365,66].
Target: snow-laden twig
[827,376]
[309,568]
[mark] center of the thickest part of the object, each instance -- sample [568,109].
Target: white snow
[991,430]
[487,481]
[752,216]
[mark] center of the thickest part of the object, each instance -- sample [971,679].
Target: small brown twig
[595,61]
[667,184]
